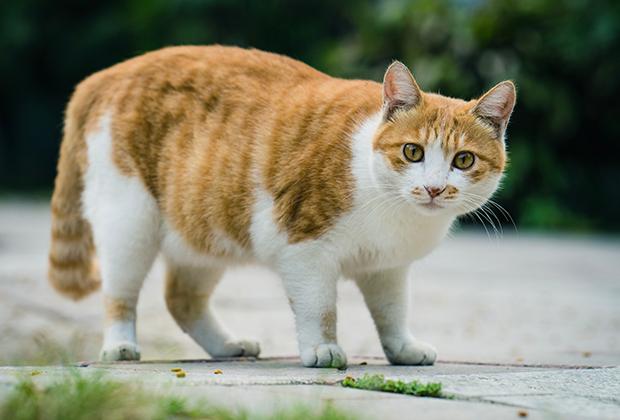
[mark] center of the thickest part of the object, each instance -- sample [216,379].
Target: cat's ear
[400,90]
[495,107]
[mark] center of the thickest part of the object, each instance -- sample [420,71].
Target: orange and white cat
[214,156]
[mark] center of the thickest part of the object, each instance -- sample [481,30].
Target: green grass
[379,383]
[42,350]
[94,397]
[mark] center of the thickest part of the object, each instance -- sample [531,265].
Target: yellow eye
[463,160]
[413,152]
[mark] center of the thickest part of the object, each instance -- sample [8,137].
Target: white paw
[124,350]
[410,352]
[238,348]
[324,355]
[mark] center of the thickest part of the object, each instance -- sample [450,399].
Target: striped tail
[72,266]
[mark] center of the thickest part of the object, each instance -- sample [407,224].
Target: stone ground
[525,321]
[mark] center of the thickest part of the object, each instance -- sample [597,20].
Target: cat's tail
[73,269]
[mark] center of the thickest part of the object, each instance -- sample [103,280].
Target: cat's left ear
[400,90]
[495,107]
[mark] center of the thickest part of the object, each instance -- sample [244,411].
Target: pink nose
[434,191]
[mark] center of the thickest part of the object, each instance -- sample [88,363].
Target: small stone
[522,413]
[217,372]
[363,363]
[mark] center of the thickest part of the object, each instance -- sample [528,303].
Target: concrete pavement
[477,390]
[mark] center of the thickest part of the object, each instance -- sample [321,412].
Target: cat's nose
[434,191]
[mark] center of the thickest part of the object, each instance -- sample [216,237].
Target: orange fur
[118,310]
[185,302]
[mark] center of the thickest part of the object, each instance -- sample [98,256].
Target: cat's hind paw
[324,356]
[237,348]
[410,353]
[120,351]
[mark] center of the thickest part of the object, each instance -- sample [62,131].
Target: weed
[379,383]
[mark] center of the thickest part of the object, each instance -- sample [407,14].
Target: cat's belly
[223,250]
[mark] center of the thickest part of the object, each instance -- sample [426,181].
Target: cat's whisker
[493,203]
[504,212]
[470,207]
[498,231]
[487,216]
[494,215]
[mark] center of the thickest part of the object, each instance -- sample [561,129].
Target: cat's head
[442,155]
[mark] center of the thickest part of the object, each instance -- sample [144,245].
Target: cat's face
[441,155]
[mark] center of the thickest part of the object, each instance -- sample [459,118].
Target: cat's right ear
[400,90]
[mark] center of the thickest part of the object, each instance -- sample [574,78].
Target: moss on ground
[379,383]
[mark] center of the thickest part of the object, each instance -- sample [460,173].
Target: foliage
[562,54]
[379,383]
[89,397]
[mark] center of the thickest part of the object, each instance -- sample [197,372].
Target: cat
[215,155]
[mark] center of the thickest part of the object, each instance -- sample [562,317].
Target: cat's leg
[126,238]
[387,296]
[188,291]
[311,288]
[125,220]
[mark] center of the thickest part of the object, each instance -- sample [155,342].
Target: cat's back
[196,67]
[177,76]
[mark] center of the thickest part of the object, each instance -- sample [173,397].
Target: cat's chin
[431,206]
[432,209]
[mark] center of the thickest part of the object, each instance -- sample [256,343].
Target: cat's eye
[413,152]
[463,160]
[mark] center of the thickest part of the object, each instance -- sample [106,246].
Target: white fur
[125,222]
[267,239]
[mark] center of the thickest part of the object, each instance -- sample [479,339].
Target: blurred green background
[564,56]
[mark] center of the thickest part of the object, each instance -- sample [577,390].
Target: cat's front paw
[324,355]
[236,348]
[124,350]
[410,352]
